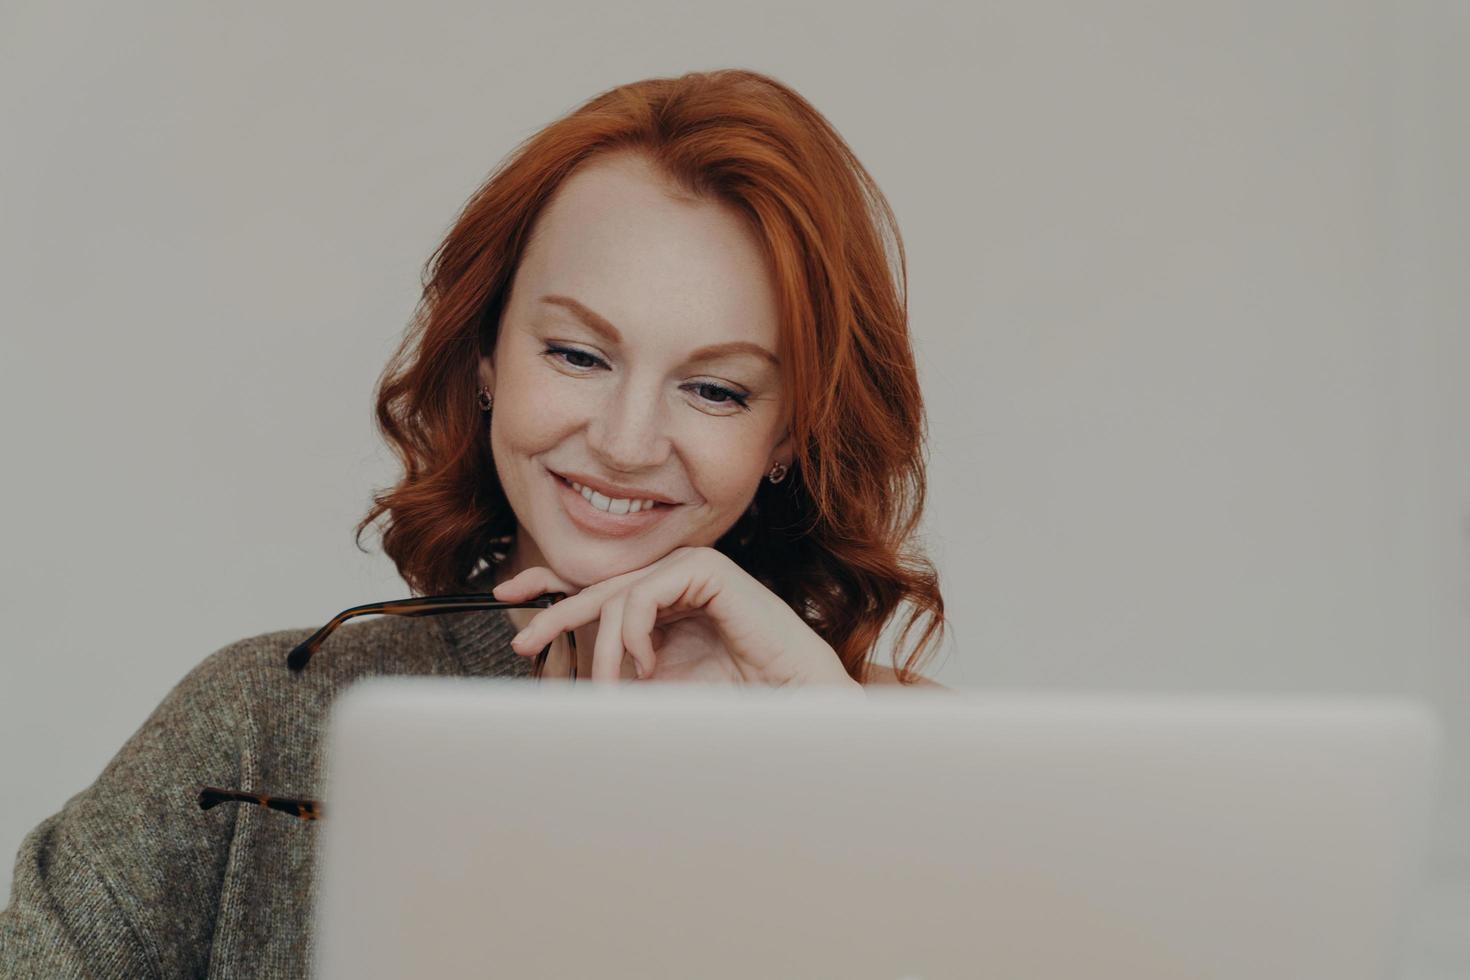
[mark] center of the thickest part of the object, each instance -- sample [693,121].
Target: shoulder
[378,644]
[241,716]
[282,710]
[256,666]
[879,674]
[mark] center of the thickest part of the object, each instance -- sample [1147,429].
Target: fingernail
[516,640]
[638,669]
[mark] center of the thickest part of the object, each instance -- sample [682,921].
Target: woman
[661,366]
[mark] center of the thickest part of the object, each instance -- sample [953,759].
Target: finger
[580,607]
[567,614]
[529,583]
[607,653]
[640,613]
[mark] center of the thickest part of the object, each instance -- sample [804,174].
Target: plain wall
[1187,287]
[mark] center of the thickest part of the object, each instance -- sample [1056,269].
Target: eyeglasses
[429,605]
[433,605]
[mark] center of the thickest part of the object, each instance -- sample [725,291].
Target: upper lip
[616,491]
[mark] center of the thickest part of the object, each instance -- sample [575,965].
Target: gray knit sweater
[132,879]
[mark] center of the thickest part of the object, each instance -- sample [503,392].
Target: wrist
[817,667]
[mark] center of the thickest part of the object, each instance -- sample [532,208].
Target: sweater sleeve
[124,880]
[62,920]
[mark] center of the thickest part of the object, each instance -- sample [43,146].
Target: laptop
[499,828]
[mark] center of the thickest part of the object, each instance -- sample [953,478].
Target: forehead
[619,237]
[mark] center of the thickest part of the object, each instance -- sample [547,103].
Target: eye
[718,394]
[572,357]
[706,391]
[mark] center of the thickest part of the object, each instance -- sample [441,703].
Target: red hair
[834,539]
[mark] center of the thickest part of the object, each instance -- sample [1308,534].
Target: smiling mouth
[612,506]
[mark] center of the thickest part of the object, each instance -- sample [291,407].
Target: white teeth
[610,504]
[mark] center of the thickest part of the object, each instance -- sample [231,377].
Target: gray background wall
[1187,286]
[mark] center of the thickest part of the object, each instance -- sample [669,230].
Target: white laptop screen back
[480,828]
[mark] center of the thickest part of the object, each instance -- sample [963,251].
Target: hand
[692,615]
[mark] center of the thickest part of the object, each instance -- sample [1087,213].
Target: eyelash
[734,397]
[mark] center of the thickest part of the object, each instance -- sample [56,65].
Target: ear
[783,452]
[487,373]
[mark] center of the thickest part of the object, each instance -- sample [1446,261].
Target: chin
[584,563]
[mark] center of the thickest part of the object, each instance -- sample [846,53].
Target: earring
[485,399]
[777,474]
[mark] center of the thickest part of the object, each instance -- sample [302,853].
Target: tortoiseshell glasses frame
[429,605]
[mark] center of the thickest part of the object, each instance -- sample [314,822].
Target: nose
[629,433]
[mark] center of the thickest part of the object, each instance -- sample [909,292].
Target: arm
[63,920]
[124,880]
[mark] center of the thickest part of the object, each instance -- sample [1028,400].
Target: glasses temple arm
[213,796]
[419,606]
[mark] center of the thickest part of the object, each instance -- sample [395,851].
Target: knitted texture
[132,879]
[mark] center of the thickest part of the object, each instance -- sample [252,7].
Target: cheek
[724,471]
[529,420]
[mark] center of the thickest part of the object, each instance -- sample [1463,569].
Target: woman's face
[636,357]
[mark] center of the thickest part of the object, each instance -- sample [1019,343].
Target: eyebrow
[600,325]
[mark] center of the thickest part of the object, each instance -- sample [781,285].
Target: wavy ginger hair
[834,539]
